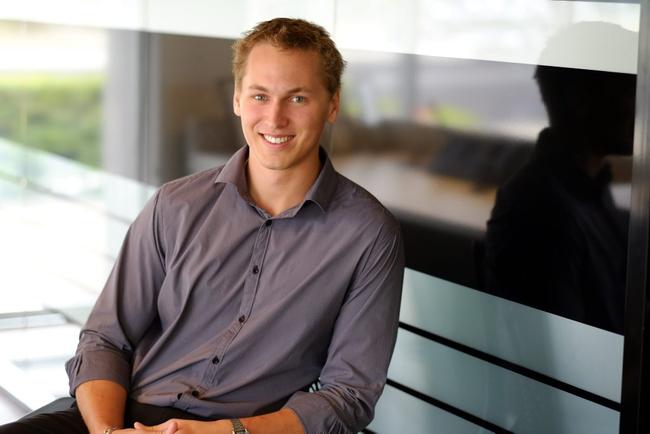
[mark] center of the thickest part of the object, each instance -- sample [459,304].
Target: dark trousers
[69,421]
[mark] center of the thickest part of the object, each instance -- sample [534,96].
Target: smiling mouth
[276,140]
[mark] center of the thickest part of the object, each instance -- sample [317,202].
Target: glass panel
[127,14]
[230,20]
[513,31]
[489,196]
[506,155]
[35,378]
[509,400]
[531,338]
[65,203]
[397,412]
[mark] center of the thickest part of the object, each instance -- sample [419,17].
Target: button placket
[250,288]
[252,281]
[213,366]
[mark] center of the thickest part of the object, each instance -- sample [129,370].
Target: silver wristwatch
[237,427]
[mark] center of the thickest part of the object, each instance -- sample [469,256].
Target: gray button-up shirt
[218,309]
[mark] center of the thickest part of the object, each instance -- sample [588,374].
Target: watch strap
[238,427]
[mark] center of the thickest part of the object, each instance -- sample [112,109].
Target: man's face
[283,104]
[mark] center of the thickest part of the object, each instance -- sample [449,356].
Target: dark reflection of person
[555,239]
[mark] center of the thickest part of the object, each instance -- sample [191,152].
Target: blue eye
[259,97]
[298,98]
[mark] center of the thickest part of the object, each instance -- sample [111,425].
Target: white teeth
[276,140]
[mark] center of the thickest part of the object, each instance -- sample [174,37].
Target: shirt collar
[234,172]
[321,192]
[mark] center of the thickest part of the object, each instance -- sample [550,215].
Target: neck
[276,191]
[589,161]
[592,164]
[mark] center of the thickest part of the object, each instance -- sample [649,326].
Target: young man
[238,287]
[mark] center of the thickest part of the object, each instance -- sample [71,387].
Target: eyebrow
[290,91]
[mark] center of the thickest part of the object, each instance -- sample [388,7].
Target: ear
[235,102]
[334,106]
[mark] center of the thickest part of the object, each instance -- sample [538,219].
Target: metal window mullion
[635,394]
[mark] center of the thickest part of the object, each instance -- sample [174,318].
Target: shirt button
[215,360]
[242,318]
[256,269]
[268,222]
[195,393]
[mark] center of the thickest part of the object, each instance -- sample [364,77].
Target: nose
[276,115]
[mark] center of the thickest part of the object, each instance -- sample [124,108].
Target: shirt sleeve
[362,344]
[126,307]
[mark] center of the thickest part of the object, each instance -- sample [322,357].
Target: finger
[168,427]
[172,428]
[146,430]
[155,428]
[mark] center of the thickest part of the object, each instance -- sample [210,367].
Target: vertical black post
[635,396]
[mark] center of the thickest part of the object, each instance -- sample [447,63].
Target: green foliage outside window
[60,114]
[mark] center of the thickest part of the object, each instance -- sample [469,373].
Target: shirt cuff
[317,414]
[97,365]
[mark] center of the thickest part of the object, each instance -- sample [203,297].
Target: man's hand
[180,426]
[284,421]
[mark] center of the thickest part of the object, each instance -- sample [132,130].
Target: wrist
[222,426]
[104,429]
